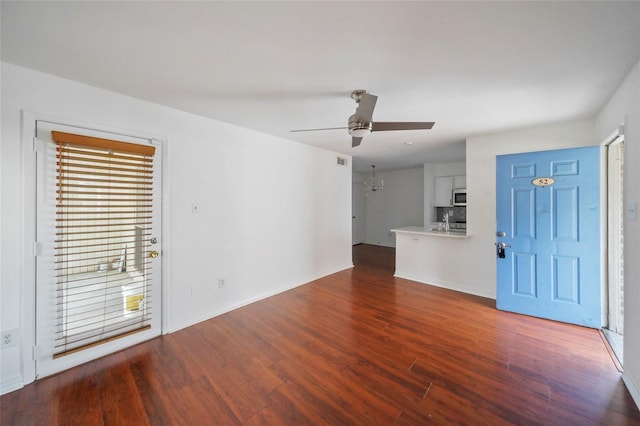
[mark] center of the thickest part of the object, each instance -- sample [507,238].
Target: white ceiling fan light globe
[359,129]
[360,132]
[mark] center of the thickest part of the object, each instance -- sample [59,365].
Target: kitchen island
[433,257]
[428,231]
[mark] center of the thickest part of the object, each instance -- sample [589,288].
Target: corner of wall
[10,384]
[632,386]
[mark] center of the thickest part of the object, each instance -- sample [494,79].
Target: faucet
[446,221]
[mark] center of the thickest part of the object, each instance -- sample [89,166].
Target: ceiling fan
[360,123]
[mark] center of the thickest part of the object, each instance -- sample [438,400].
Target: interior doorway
[358,212]
[614,330]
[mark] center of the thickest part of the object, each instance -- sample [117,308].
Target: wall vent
[342,161]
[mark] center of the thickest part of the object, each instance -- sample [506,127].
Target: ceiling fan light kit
[358,129]
[361,124]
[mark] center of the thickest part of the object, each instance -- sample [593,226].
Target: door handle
[500,253]
[153,253]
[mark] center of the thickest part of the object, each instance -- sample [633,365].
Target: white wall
[401,203]
[273,214]
[624,108]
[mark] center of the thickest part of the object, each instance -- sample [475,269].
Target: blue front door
[548,208]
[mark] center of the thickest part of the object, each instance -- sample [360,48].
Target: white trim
[446,284]
[11,384]
[95,127]
[79,358]
[604,247]
[633,387]
[27,209]
[613,136]
[212,314]
[27,238]
[165,227]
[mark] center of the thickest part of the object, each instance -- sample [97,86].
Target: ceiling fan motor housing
[358,128]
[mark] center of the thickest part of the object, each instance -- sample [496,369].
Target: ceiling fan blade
[379,126]
[355,142]
[315,130]
[364,111]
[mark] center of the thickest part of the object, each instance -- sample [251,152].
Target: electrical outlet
[8,338]
[220,282]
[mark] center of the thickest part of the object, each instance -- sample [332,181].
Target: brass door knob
[153,253]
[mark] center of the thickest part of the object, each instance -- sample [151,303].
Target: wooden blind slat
[101,219]
[125,235]
[141,185]
[60,226]
[110,175]
[79,168]
[71,196]
[80,160]
[96,180]
[65,149]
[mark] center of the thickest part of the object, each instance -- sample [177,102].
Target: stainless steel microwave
[460,197]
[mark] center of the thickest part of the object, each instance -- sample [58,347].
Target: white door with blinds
[98,244]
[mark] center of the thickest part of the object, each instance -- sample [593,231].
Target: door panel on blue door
[565,279]
[524,213]
[524,274]
[565,213]
[552,263]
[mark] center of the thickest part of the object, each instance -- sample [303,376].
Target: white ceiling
[472,67]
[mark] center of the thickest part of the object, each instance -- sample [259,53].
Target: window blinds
[104,199]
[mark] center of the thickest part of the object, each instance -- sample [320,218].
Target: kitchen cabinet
[444,191]
[444,186]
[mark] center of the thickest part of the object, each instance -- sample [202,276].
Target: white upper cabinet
[444,191]
[444,186]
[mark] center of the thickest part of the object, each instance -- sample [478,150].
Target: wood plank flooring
[356,348]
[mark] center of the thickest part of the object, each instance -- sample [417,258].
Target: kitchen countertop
[421,230]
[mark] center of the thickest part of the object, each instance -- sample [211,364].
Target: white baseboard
[204,316]
[381,244]
[447,285]
[11,384]
[634,388]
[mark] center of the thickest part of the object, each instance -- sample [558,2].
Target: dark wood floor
[358,347]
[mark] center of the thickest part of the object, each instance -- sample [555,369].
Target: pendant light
[373,184]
